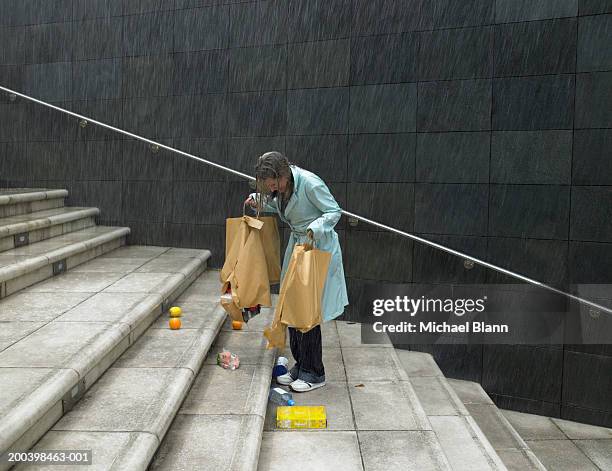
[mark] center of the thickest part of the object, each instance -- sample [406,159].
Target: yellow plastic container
[301,417]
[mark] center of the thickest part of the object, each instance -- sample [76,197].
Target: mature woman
[305,204]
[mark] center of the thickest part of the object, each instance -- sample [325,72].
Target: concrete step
[458,430]
[125,415]
[60,336]
[25,266]
[25,229]
[220,424]
[563,445]
[511,448]
[16,201]
[375,419]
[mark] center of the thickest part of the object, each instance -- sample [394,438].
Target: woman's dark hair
[271,165]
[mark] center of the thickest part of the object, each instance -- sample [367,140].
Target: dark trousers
[308,353]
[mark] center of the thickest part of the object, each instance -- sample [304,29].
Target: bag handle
[244,210]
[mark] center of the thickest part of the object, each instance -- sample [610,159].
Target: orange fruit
[175,311]
[175,323]
[236,325]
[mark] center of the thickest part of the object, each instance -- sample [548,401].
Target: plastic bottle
[281,397]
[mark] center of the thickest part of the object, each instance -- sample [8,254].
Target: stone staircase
[87,362]
[73,298]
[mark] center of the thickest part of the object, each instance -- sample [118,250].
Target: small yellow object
[175,311]
[236,325]
[301,417]
[174,323]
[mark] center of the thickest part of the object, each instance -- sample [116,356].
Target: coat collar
[295,171]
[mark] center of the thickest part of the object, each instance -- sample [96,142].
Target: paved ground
[375,421]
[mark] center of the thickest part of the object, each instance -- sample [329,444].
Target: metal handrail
[346,213]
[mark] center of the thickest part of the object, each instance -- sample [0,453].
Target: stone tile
[126,399]
[457,438]
[561,455]
[459,105]
[184,449]
[334,396]
[507,11]
[371,364]
[337,451]
[492,424]
[519,460]
[350,336]
[594,37]
[143,283]
[334,364]
[249,346]
[188,253]
[77,283]
[417,364]
[6,260]
[195,316]
[164,264]
[529,103]
[398,451]
[17,383]
[534,48]
[578,431]
[435,397]
[318,111]
[456,53]
[385,108]
[531,157]
[318,64]
[199,293]
[329,334]
[245,388]
[53,345]
[593,100]
[533,427]
[314,20]
[599,451]
[158,348]
[111,265]
[387,406]
[104,446]
[38,307]
[104,307]
[136,251]
[384,16]
[470,392]
[13,331]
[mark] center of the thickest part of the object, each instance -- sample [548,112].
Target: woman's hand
[310,234]
[251,202]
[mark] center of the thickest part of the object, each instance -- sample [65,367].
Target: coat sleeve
[319,195]
[267,207]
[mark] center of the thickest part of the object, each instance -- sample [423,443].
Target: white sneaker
[285,379]
[302,386]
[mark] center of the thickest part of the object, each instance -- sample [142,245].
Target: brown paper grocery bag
[245,268]
[301,293]
[270,240]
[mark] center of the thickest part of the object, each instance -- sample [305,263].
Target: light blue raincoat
[312,206]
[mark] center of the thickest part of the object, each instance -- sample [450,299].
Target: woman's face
[273,184]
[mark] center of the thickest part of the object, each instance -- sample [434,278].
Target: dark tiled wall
[485,125]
